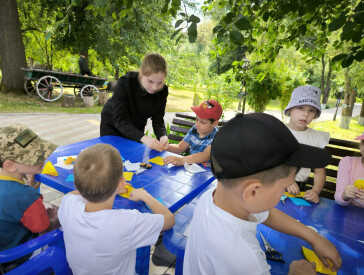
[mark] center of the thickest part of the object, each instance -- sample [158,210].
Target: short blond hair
[153,63]
[98,171]
[266,177]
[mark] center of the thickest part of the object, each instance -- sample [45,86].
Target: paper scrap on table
[128,175]
[187,231]
[70,178]
[49,169]
[127,194]
[312,257]
[157,160]
[301,194]
[193,168]
[299,201]
[131,166]
[160,200]
[69,160]
[61,162]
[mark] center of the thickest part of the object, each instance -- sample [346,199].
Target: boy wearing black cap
[199,137]
[254,157]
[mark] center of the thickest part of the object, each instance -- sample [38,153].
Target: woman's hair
[98,171]
[153,63]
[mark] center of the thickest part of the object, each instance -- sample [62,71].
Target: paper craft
[299,201]
[359,183]
[160,200]
[128,176]
[127,194]
[131,166]
[312,257]
[70,178]
[157,160]
[61,162]
[293,196]
[193,168]
[69,160]
[49,169]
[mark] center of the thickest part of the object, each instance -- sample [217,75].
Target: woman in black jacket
[138,96]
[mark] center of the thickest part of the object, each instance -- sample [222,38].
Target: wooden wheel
[30,87]
[90,90]
[49,88]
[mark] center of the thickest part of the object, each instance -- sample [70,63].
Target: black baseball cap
[252,143]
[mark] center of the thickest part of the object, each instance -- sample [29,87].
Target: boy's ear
[250,189]
[215,123]
[9,165]
[121,185]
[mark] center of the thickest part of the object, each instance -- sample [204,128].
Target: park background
[214,49]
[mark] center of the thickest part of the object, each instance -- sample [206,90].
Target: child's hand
[359,194]
[302,267]
[138,194]
[177,161]
[32,182]
[311,196]
[349,192]
[325,251]
[124,190]
[293,189]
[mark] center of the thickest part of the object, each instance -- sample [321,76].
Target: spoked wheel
[29,87]
[77,90]
[90,90]
[49,88]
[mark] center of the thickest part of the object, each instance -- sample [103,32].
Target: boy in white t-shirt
[302,109]
[99,239]
[255,158]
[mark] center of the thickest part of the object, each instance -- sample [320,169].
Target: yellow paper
[49,169]
[312,257]
[69,160]
[157,160]
[128,175]
[127,194]
[359,183]
[293,196]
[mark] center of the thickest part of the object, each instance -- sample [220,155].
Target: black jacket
[126,113]
[83,67]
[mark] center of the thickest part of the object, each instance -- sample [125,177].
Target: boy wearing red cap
[199,137]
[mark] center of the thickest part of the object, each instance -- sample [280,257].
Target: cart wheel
[90,90]
[77,90]
[49,88]
[29,87]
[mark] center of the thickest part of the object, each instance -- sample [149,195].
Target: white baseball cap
[305,95]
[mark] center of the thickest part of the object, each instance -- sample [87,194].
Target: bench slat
[342,152]
[344,143]
[178,129]
[182,122]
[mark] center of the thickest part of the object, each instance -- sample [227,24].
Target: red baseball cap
[209,109]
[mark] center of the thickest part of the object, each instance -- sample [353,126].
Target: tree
[12,53]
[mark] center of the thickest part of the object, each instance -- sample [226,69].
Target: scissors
[270,252]
[284,196]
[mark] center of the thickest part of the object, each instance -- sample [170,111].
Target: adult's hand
[152,143]
[164,142]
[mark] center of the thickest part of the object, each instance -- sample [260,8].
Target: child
[199,137]
[350,170]
[254,158]
[99,239]
[302,109]
[22,213]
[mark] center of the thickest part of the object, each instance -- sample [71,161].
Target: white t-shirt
[105,242]
[220,243]
[310,137]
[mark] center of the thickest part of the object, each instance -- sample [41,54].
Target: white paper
[60,162]
[193,168]
[187,231]
[131,166]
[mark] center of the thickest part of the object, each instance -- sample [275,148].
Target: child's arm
[194,158]
[178,148]
[324,249]
[318,183]
[154,205]
[344,190]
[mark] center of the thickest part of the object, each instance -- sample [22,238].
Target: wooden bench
[337,147]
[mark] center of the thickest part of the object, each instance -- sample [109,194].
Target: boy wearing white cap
[302,109]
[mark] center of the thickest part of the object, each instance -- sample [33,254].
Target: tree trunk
[326,91]
[349,100]
[361,116]
[117,73]
[12,50]
[323,105]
